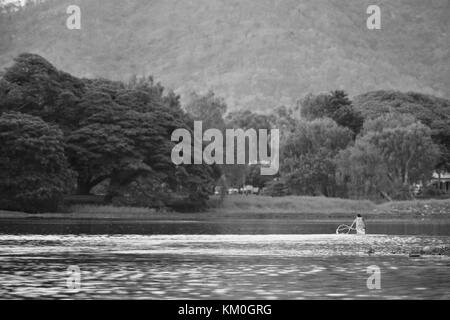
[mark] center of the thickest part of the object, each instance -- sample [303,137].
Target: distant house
[249,189]
[441,181]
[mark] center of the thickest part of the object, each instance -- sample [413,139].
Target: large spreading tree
[115,133]
[431,111]
[393,153]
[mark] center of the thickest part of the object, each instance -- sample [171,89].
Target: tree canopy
[392,153]
[335,105]
[34,173]
[431,111]
[113,131]
[308,156]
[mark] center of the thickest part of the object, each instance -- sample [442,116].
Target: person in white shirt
[359,224]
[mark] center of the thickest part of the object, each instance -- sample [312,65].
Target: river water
[208,261]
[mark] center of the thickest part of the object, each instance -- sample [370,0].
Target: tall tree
[207,108]
[393,153]
[431,111]
[34,173]
[308,156]
[335,105]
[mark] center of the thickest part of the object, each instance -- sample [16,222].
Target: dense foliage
[114,138]
[114,132]
[34,173]
[308,156]
[431,111]
[335,105]
[392,154]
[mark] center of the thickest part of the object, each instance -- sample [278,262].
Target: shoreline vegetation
[262,207]
[67,137]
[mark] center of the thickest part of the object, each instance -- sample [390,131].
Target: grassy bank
[264,207]
[322,207]
[419,208]
[293,204]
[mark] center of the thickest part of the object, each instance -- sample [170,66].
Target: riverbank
[322,207]
[261,207]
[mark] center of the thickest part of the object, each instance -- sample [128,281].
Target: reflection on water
[275,225]
[221,266]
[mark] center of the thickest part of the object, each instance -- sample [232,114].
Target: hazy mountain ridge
[257,54]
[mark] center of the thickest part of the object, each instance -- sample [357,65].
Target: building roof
[444,175]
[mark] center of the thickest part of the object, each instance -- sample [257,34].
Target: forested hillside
[258,54]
